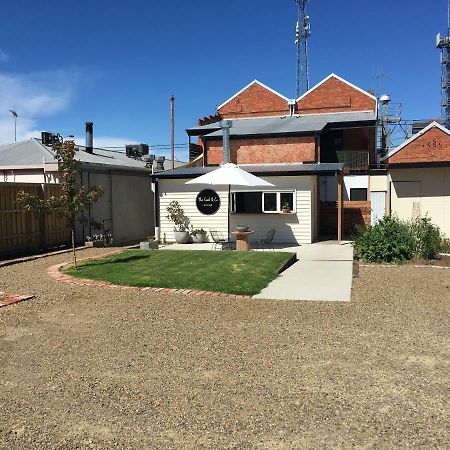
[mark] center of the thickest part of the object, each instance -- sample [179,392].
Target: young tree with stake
[74,196]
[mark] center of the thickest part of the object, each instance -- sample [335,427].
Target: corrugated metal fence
[23,232]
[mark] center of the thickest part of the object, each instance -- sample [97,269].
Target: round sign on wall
[208,202]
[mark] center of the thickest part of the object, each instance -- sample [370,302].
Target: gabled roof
[31,153]
[414,137]
[25,153]
[246,87]
[333,75]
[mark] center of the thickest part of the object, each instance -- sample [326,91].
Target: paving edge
[414,266]
[12,299]
[55,273]
[10,262]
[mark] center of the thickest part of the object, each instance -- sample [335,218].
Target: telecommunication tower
[443,43]
[302,32]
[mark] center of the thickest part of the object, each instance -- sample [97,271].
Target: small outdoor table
[242,240]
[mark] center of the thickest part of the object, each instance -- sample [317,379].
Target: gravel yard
[90,367]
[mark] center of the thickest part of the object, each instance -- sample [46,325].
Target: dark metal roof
[257,169]
[308,123]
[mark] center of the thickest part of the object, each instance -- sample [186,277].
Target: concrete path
[324,272]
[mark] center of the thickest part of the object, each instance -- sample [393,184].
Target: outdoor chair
[219,240]
[267,241]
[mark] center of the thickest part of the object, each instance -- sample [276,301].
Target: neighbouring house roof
[306,123]
[32,153]
[277,169]
[246,87]
[25,153]
[414,137]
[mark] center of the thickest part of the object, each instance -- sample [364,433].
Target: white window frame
[279,209]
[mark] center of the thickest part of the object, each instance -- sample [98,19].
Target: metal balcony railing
[354,159]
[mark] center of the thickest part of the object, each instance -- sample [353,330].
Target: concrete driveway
[324,272]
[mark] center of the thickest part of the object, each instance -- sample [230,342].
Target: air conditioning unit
[136,150]
[48,138]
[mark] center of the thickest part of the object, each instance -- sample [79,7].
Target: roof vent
[160,162]
[385,98]
[149,160]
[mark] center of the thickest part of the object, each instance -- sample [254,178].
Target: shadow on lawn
[119,260]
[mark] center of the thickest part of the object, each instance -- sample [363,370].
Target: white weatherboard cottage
[258,207]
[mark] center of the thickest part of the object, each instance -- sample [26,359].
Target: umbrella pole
[229,202]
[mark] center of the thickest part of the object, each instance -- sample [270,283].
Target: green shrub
[389,241]
[392,240]
[427,238]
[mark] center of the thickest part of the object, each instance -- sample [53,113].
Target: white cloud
[3,56]
[33,97]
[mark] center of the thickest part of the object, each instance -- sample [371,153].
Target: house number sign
[208,202]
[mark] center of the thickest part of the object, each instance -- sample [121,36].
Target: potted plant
[242,228]
[285,208]
[99,240]
[176,215]
[198,235]
[150,244]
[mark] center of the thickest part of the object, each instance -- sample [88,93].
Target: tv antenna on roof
[302,32]
[14,113]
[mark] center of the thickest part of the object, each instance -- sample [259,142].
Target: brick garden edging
[9,299]
[55,272]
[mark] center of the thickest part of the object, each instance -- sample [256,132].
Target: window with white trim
[276,202]
[262,202]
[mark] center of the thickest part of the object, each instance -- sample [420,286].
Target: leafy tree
[74,196]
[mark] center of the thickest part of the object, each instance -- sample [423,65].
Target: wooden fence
[21,232]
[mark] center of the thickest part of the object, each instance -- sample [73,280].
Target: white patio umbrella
[229,175]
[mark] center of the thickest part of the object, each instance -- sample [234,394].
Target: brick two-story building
[303,146]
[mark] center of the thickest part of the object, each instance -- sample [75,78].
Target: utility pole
[302,32]
[14,113]
[443,43]
[172,129]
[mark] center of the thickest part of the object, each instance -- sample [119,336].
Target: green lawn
[229,272]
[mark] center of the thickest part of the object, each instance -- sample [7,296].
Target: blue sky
[117,63]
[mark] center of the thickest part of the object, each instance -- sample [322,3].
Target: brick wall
[335,96]
[432,146]
[355,213]
[264,150]
[255,101]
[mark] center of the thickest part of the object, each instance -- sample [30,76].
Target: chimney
[89,137]
[226,125]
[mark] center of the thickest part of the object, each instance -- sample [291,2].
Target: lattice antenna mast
[443,43]
[302,32]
